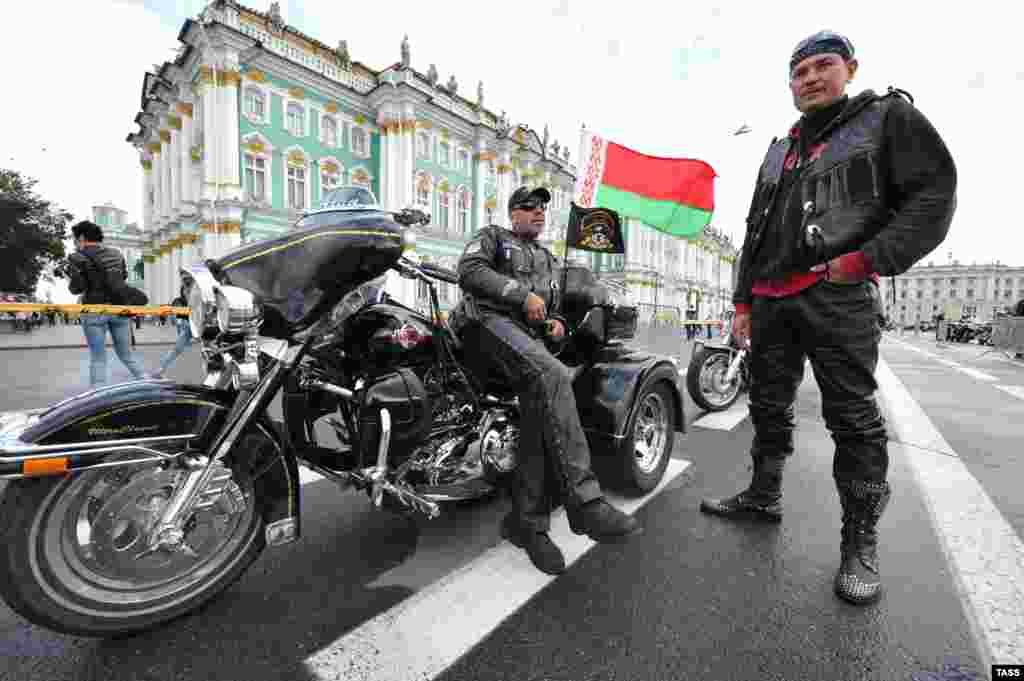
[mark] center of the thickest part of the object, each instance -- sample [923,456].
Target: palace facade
[253,121]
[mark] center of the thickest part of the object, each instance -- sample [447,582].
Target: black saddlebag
[587,306]
[403,394]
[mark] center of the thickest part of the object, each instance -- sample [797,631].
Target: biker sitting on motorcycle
[508,286]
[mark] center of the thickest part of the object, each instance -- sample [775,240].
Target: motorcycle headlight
[201,298]
[237,310]
[408,240]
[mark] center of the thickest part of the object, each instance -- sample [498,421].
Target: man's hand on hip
[741,330]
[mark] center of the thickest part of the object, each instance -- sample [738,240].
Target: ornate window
[296,119]
[255,177]
[443,202]
[490,171]
[463,161]
[423,145]
[361,178]
[331,173]
[329,132]
[360,142]
[297,179]
[422,185]
[444,154]
[465,200]
[255,104]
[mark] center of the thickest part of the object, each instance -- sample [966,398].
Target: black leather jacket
[496,273]
[877,179]
[88,274]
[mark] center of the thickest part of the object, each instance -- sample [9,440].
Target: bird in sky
[743,130]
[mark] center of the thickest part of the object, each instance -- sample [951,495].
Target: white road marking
[724,420]
[1015,390]
[424,634]
[983,551]
[980,375]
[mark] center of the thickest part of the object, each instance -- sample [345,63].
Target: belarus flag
[673,195]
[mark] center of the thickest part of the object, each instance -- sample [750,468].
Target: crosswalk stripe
[424,634]
[724,420]
[982,549]
[1015,390]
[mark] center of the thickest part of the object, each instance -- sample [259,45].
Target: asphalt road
[695,597]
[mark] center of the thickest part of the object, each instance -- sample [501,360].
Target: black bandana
[820,43]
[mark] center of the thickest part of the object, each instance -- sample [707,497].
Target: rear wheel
[705,380]
[76,557]
[645,451]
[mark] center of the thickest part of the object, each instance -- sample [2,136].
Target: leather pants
[553,455]
[838,328]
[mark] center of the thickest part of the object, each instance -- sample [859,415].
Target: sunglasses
[530,205]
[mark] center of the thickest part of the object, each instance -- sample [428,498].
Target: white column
[167,162]
[157,183]
[228,118]
[211,139]
[383,174]
[478,183]
[174,163]
[408,161]
[147,216]
[187,191]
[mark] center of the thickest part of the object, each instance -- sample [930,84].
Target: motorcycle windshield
[299,276]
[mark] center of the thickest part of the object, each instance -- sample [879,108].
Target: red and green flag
[673,195]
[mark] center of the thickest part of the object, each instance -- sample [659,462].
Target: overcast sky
[664,78]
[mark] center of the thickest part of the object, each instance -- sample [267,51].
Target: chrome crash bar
[27,460]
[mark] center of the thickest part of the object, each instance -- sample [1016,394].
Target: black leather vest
[842,191]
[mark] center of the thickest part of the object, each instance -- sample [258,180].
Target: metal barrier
[120,310]
[1008,334]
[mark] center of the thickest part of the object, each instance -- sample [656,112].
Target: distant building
[236,142]
[125,237]
[923,291]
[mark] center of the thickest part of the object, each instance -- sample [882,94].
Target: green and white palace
[253,121]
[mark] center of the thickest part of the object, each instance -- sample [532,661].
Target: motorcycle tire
[103,588]
[644,453]
[716,360]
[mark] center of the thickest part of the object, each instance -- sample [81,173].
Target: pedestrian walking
[184,340]
[861,186]
[91,267]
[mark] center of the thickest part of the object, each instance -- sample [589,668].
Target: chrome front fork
[734,366]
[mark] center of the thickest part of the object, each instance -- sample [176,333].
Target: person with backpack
[98,273]
[184,341]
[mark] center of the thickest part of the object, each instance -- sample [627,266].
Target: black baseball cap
[524,197]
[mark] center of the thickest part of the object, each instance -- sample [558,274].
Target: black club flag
[594,229]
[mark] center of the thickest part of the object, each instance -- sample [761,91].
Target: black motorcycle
[136,503]
[717,374]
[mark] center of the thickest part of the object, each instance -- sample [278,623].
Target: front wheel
[705,380]
[75,557]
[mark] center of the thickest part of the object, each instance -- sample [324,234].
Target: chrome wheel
[650,434]
[90,541]
[716,391]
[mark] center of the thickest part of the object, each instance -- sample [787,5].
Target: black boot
[858,580]
[602,522]
[760,499]
[545,556]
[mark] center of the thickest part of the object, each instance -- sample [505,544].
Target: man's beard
[528,230]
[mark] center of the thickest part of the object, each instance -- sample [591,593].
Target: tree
[32,233]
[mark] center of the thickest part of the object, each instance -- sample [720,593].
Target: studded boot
[761,499]
[858,580]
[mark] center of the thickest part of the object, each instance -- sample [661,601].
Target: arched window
[360,143]
[443,205]
[423,185]
[423,145]
[331,173]
[255,104]
[465,200]
[361,178]
[296,119]
[257,168]
[297,179]
[329,132]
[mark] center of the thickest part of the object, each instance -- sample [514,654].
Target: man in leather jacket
[862,186]
[509,287]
